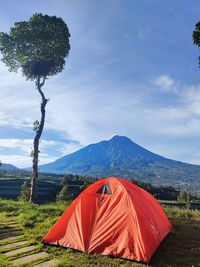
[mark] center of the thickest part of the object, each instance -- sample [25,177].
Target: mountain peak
[120,138]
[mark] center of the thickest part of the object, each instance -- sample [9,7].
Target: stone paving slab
[10,234]
[48,263]
[11,238]
[10,230]
[8,227]
[30,258]
[13,224]
[19,250]
[10,221]
[15,244]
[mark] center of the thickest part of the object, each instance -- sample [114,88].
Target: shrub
[64,194]
[25,192]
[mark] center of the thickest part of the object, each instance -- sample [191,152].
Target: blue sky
[132,70]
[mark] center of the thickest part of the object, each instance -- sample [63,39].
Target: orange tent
[112,217]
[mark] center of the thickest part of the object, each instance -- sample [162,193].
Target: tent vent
[105,189]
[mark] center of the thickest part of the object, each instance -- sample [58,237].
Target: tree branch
[39,86]
[44,79]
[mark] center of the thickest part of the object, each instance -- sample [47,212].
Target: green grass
[180,249]
[4,262]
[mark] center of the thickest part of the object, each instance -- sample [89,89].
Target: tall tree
[38,47]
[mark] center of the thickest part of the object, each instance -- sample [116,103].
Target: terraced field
[48,188]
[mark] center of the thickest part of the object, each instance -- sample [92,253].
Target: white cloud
[24,145]
[23,161]
[69,148]
[164,82]
[23,148]
[17,160]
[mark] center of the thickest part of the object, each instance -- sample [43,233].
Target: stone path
[30,258]
[14,246]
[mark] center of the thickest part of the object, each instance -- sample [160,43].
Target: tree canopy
[38,46]
[196,36]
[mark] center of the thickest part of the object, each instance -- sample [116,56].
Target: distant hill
[8,167]
[120,156]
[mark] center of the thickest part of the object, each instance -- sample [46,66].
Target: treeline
[53,187]
[159,192]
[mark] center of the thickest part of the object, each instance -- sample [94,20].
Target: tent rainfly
[112,217]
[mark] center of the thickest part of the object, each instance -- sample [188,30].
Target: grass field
[180,249]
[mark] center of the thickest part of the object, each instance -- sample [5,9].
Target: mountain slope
[8,167]
[120,156]
[104,155]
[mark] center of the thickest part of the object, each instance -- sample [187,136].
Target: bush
[64,194]
[25,192]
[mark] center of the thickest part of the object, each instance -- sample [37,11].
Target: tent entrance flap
[105,189]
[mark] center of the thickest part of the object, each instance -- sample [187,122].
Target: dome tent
[112,217]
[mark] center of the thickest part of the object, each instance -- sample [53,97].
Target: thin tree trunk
[33,194]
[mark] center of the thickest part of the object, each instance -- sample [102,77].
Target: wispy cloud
[165,83]
[23,161]
[20,149]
